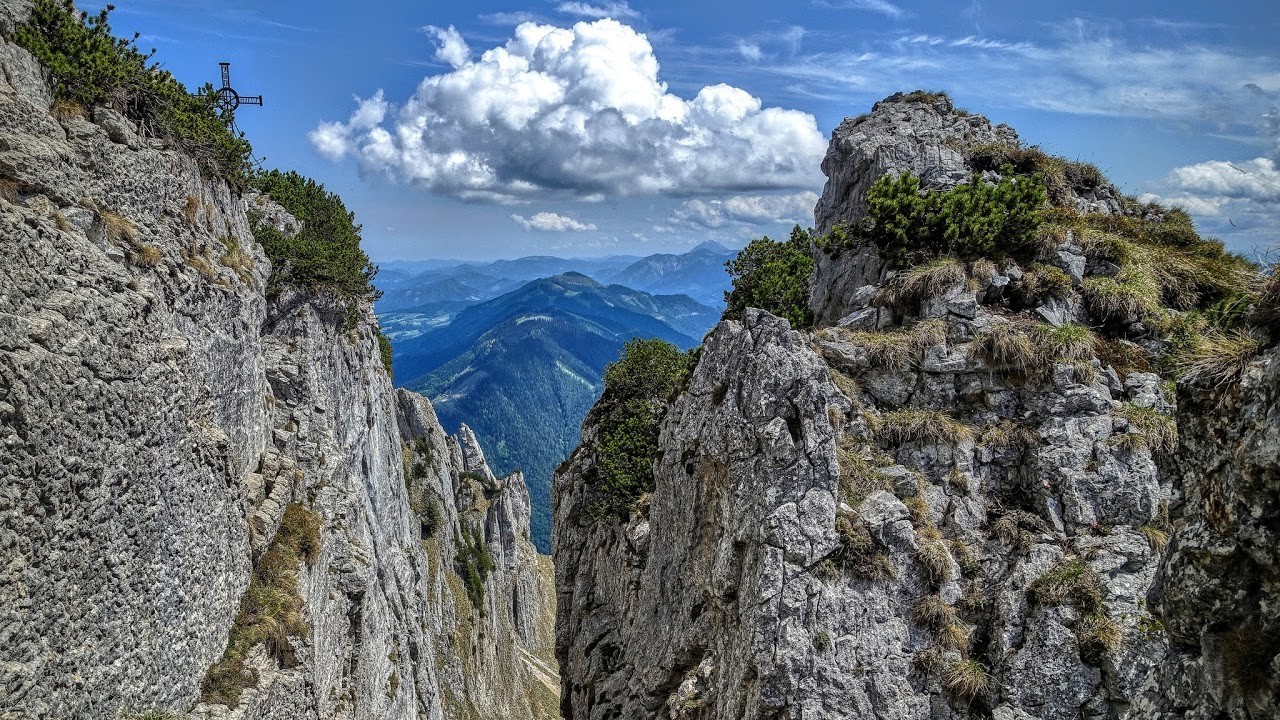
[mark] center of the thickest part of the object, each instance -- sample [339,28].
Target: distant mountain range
[523,368]
[419,296]
[699,273]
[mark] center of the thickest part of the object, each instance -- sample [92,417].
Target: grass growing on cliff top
[271,609]
[89,67]
[637,390]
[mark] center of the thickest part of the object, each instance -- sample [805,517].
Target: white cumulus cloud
[792,209]
[552,222]
[1240,201]
[573,112]
[450,47]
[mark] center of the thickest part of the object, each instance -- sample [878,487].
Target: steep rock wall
[880,519]
[1217,588]
[159,414]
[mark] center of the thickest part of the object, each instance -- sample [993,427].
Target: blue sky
[501,129]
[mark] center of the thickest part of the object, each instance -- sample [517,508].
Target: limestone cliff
[1217,588]
[171,435]
[944,501]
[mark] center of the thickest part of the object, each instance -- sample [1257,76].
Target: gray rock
[158,417]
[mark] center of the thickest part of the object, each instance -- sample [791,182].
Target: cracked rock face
[734,593]
[1217,588]
[873,519]
[158,414]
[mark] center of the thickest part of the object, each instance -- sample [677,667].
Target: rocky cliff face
[167,427]
[944,502]
[1217,588]
[920,134]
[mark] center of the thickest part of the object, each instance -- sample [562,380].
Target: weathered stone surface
[1217,588]
[802,541]
[158,414]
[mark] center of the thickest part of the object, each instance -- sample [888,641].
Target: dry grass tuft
[954,637]
[1008,435]
[1217,359]
[1006,347]
[1098,635]
[933,613]
[859,553]
[1265,314]
[1150,428]
[1042,282]
[61,221]
[1122,300]
[120,230]
[860,476]
[148,256]
[1156,537]
[191,210]
[1247,655]
[900,427]
[965,679]
[1070,581]
[922,282]
[934,560]
[847,385]
[9,190]
[237,259]
[1066,343]
[899,349]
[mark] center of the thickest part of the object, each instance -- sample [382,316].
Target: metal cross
[228,98]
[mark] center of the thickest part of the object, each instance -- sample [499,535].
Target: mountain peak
[575,278]
[711,246]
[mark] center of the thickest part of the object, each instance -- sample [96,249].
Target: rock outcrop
[943,502]
[924,135]
[162,419]
[1217,588]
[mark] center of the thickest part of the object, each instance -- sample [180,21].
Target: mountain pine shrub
[773,276]
[970,221]
[325,254]
[637,390]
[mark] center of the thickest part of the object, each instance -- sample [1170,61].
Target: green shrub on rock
[970,221]
[637,389]
[325,254]
[773,276]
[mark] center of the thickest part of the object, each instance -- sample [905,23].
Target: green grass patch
[271,609]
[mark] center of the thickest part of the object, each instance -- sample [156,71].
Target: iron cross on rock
[228,98]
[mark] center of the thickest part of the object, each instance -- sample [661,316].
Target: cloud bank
[572,113]
[792,209]
[552,222]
